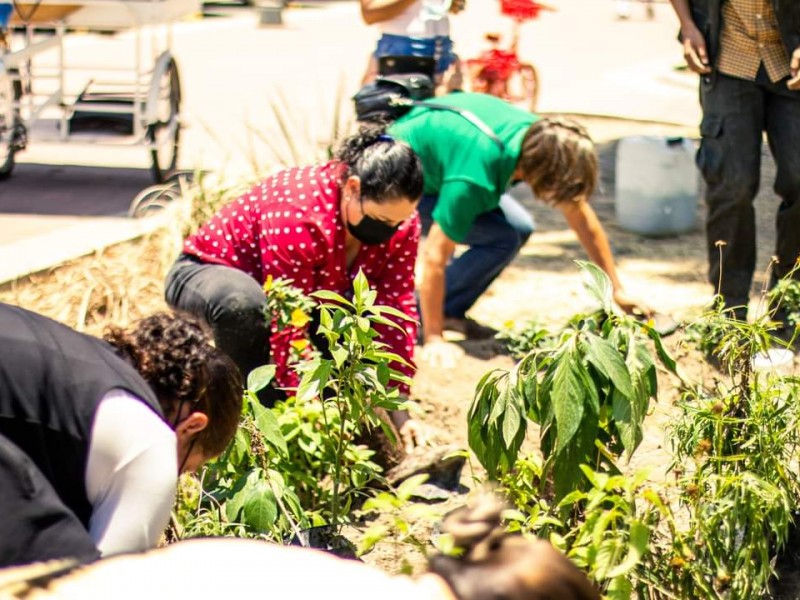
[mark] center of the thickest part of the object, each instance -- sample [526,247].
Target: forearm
[131,475]
[431,300]
[684,12]
[376,11]
[583,220]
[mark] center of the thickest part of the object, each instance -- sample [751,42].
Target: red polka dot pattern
[289,226]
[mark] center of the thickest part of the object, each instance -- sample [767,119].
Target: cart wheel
[10,127]
[152,200]
[162,114]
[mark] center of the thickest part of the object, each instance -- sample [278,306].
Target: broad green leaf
[329,296]
[234,504]
[604,561]
[500,402]
[240,447]
[325,320]
[267,424]
[360,285]
[531,397]
[567,474]
[260,377]
[620,588]
[378,319]
[314,381]
[592,388]
[383,502]
[391,311]
[639,539]
[340,355]
[608,361]
[597,283]
[567,397]
[629,431]
[511,424]
[260,508]
[409,486]
[663,355]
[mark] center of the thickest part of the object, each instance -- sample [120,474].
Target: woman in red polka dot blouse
[317,225]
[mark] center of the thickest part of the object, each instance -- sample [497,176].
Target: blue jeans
[735,114]
[494,240]
[439,47]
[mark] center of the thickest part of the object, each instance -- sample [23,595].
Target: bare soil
[542,283]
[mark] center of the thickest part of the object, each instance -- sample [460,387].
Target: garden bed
[125,282]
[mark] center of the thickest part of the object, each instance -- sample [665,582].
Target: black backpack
[389,97]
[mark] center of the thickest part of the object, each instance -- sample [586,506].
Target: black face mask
[372,232]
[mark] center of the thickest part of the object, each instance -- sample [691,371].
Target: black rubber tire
[160,166]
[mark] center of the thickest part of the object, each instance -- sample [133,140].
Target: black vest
[52,379]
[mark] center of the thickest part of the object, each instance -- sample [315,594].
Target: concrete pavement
[236,75]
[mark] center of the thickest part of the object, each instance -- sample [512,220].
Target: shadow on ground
[71,190]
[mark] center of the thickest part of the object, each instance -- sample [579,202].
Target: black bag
[391,96]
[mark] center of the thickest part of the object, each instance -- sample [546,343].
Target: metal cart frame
[141,108]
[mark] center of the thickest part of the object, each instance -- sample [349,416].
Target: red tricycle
[499,71]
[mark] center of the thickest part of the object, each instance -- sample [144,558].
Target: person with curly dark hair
[317,226]
[493,564]
[93,433]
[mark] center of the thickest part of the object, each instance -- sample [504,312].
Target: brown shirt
[749,37]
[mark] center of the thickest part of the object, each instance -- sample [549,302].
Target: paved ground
[235,73]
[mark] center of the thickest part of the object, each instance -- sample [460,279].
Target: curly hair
[558,160]
[496,564]
[174,354]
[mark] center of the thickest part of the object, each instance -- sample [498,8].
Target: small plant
[354,378]
[243,488]
[736,447]
[607,530]
[589,392]
[785,298]
[397,518]
[297,465]
[522,341]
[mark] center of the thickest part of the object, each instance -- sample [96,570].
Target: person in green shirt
[469,160]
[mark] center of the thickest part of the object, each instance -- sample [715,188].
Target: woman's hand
[440,354]
[413,434]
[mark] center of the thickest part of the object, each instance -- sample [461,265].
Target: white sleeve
[131,475]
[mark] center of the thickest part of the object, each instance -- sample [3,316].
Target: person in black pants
[94,433]
[747,53]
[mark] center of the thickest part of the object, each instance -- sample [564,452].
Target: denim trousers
[494,240]
[736,112]
[439,47]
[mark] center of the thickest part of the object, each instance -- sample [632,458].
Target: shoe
[469,328]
